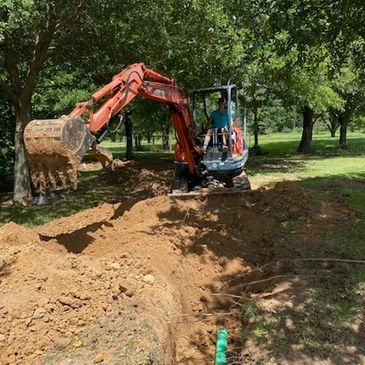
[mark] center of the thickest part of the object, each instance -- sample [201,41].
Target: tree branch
[40,55]
[43,43]
[11,64]
[320,116]
[8,91]
[324,120]
[71,18]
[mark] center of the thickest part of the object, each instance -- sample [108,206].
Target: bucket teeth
[50,174]
[55,148]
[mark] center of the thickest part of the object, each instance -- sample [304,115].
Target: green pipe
[221,347]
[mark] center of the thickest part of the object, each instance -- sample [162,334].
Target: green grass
[279,160]
[288,142]
[118,148]
[348,190]
[91,191]
[327,319]
[257,325]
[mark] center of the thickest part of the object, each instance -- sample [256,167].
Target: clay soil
[149,280]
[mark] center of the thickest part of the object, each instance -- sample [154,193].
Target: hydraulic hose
[221,347]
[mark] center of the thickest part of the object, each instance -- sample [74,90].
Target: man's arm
[208,124]
[210,120]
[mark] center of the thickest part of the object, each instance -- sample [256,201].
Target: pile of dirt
[289,201]
[92,218]
[13,234]
[146,282]
[143,179]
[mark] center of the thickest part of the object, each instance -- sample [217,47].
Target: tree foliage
[289,56]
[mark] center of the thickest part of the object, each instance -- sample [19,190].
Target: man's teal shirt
[219,119]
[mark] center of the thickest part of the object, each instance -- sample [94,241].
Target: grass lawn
[279,160]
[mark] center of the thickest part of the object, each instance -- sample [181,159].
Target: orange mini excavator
[55,147]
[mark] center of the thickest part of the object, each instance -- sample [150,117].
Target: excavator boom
[55,147]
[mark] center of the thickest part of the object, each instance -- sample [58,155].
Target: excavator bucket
[55,147]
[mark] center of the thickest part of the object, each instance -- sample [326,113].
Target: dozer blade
[240,184]
[55,148]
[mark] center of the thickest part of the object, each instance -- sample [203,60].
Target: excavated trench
[149,282]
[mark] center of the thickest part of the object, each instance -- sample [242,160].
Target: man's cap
[221,100]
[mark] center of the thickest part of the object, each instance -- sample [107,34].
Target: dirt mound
[144,179]
[14,234]
[287,200]
[92,218]
[147,180]
[146,282]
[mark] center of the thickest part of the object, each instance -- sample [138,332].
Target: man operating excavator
[219,121]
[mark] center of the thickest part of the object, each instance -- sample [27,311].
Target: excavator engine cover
[55,147]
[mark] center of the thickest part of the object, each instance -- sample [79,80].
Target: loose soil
[151,279]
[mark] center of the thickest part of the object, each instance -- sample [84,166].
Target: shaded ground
[139,179]
[150,281]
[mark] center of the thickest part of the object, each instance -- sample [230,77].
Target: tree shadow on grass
[136,180]
[320,147]
[269,165]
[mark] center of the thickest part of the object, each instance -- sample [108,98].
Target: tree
[322,35]
[316,96]
[275,118]
[7,129]
[128,133]
[331,122]
[303,81]
[255,100]
[349,82]
[198,53]
[27,32]
[151,118]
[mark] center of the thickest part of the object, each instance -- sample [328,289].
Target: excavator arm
[55,147]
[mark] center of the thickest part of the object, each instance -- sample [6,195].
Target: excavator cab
[223,162]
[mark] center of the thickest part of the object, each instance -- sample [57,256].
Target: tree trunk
[128,134]
[137,142]
[256,129]
[333,123]
[166,135]
[306,141]
[22,187]
[333,131]
[20,96]
[344,122]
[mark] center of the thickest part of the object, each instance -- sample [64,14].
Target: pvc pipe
[221,347]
